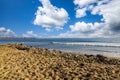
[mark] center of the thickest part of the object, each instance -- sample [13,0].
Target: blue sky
[57,18]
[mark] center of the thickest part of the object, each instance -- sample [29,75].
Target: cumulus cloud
[81,12]
[89,34]
[49,16]
[6,32]
[109,25]
[81,27]
[110,13]
[83,7]
[31,34]
[83,3]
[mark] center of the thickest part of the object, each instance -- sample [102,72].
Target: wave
[100,44]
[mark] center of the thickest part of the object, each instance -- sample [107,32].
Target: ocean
[109,47]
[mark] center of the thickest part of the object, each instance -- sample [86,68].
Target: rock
[30,63]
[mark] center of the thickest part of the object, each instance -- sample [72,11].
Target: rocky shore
[21,62]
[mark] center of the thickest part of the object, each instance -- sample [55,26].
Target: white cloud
[81,27]
[90,34]
[109,25]
[6,32]
[81,12]
[110,13]
[83,6]
[49,16]
[31,34]
[48,29]
[74,35]
[83,3]
[89,30]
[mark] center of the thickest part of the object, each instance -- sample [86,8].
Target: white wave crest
[102,44]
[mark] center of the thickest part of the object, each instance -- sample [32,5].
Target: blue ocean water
[105,46]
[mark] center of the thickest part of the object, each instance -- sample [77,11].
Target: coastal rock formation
[18,61]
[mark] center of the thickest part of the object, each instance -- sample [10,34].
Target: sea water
[105,46]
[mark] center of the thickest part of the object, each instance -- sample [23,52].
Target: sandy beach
[21,62]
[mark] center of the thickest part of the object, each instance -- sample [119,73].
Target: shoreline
[28,62]
[89,50]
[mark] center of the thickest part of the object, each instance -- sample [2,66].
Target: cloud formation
[81,12]
[30,34]
[83,3]
[81,27]
[110,12]
[109,25]
[82,7]
[49,16]
[6,32]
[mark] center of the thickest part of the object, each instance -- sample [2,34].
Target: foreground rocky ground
[19,62]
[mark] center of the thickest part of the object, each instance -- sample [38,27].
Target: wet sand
[21,62]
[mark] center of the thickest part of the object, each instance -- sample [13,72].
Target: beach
[109,47]
[18,61]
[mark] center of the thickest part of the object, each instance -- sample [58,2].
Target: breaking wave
[101,44]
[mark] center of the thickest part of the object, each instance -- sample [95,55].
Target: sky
[60,18]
